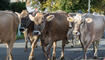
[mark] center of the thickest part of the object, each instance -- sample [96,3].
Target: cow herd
[50,28]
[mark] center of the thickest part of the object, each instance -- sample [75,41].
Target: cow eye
[42,21]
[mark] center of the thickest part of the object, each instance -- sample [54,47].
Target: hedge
[17,6]
[19,37]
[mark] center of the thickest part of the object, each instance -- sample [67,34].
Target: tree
[4,4]
[71,5]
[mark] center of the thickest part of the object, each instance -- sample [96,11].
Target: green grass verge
[19,37]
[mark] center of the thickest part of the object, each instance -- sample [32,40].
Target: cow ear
[31,17]
[18,14]
[88,20]
[50,17]
[70,19]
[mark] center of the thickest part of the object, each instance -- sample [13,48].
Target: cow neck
[82,32]
[82,25]
[28,22]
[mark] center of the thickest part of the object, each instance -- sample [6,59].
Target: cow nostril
[36,33]
[70,27]
[22,29]
[76,33]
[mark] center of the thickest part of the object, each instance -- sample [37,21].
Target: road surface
[75,53]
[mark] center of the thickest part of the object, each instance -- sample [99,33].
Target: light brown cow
[24,19]
[27,27]
[8,27]
[90,29]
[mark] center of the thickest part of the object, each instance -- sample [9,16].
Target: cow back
[57,28]
[8,26]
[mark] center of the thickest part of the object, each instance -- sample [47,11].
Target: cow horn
[31,17]
[18,14]
[50,17]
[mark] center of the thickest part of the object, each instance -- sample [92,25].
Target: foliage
[17,6]
[98,5]
[71,5]
[4,4]
[19,37]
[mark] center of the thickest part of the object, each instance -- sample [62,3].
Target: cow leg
[44,51]
[44,48]
[49,50]
[9,51]
[62,52]
[26,40]
[85,54]
[54,51]
[73,43]
[31,56]
[26,46]
[95,48]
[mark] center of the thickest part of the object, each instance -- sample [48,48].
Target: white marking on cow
[39,33]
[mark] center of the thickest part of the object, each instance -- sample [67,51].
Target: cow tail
[19,33]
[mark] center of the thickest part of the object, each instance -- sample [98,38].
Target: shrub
[19,37]
[4,4]
[17,6]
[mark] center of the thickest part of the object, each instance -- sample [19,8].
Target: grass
[19,37]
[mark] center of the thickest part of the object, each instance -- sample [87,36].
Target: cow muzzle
[36,33]
[76,33]
[22,29]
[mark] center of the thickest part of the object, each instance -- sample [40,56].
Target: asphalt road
[75,53]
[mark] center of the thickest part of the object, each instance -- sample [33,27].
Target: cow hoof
[95,57]
[31,58]
[53,58]
[67,42]
[62,58]
[11,59]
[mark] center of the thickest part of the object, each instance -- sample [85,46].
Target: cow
[27,27]
[90,28]
[51,27]
[70,36]
[9,22]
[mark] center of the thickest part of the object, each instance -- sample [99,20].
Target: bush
[4,4]
[19,37]
[17,6]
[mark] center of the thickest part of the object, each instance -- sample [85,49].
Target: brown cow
[27,27]
[9,22]
[90,29]
[53,27]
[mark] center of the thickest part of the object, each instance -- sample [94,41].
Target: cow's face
[40,20]
[78,20]
[24,20]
